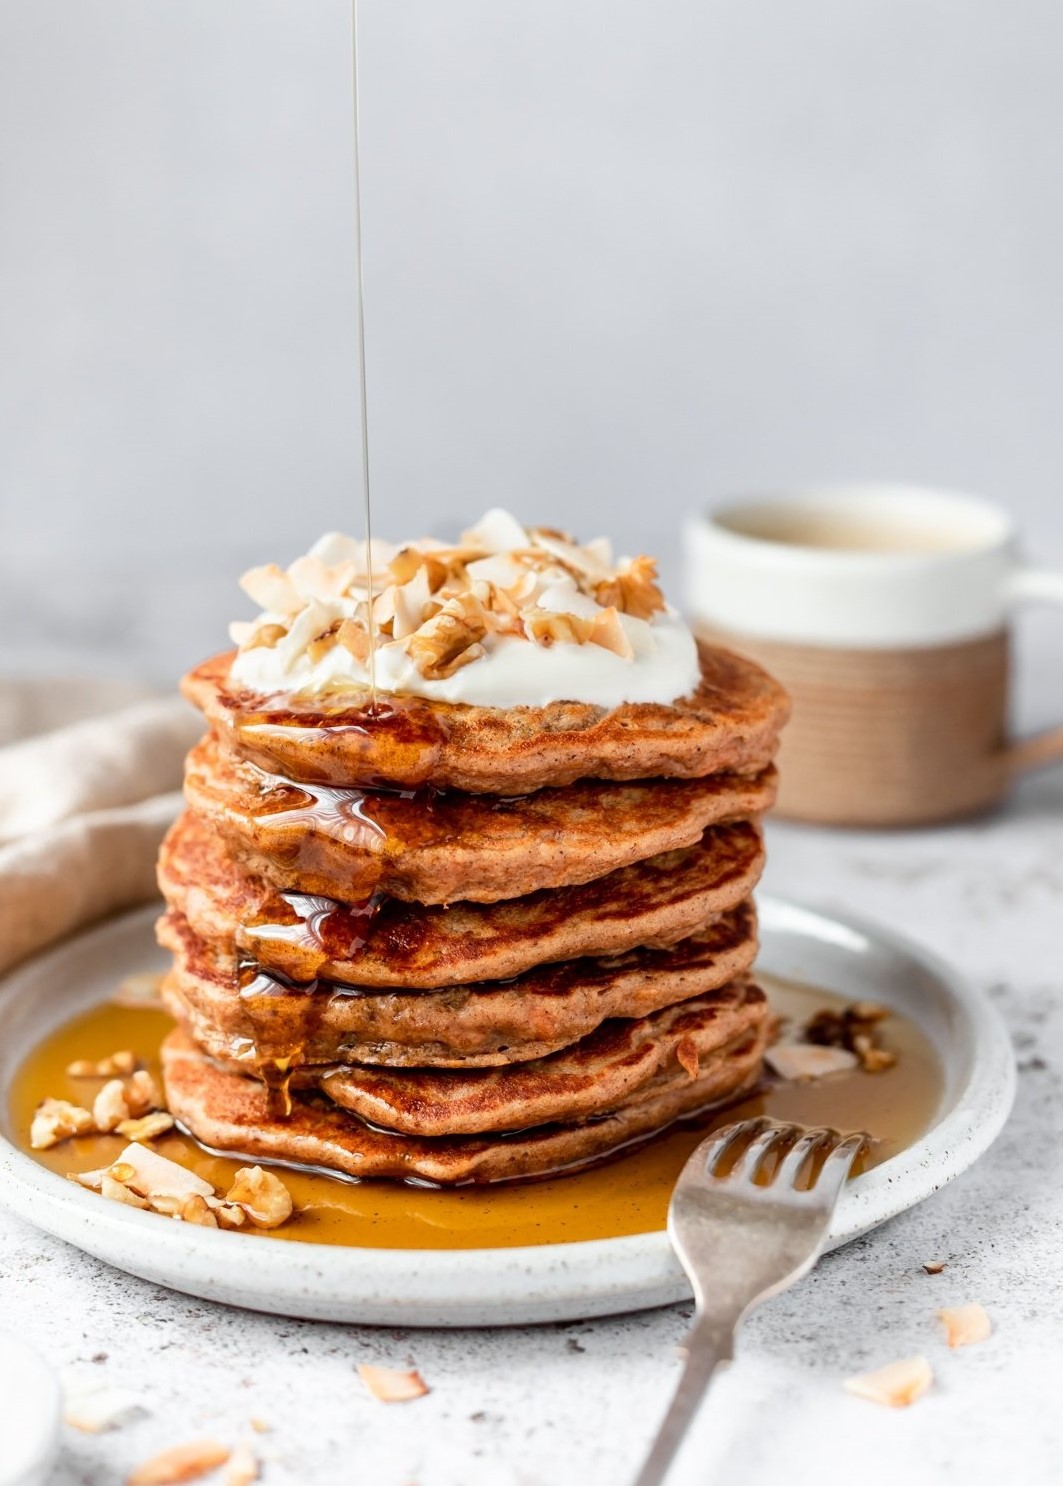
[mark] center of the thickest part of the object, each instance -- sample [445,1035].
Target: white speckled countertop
[557,1404]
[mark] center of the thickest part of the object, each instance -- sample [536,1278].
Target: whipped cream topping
[508,617]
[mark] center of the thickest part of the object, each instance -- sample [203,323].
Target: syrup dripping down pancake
[228,1112]
[395,944]
[730,723]
[438,848]
[473,1026]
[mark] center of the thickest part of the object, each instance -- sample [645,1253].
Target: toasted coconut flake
[608,632]
[355,638]
[687,1054]
[935,1266]
[96,1410]
[242,1468]
[148,1127]
[157,1176]
[181,1463]
[56,1120]
[966,1324]
[391,1385]
[109,1108]
[272,589]
[496,531]
[93,1180]
[315,579]
[805,1060]
[410,605]
[547,628]
[321,644]
[896,1385]
[262,1195]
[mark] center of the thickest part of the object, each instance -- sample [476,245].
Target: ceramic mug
[884,610]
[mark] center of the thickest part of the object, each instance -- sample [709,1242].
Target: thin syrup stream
[360,322]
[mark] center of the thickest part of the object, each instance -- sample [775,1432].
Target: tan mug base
[887,737]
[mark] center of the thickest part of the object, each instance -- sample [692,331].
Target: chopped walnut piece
[181,1463]
[449,640]
[110,1108]
[355,638]
[803,1060]
[242,1468]
[633,590]
[390,1385]
[687,1054]
[56,1120]
[966,1324]
[935,1266]
[116,1190]
[853,1028]
[142,1094]
[230,1216]
[897,1385]
[120,1063]
[264,1197]
[148,1127]
[194,1209]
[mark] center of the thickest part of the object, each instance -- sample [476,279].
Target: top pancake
[731,723]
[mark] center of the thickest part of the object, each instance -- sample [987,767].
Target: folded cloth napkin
[89,780]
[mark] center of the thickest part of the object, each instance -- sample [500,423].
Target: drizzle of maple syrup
[392,742]
[624,1196]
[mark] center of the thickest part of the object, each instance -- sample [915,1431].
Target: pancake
[595,1076]
[439,847]
[730,723]
[473,1026]
[230,1113]
[652,903]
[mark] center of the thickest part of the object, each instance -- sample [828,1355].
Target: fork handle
[709,1346]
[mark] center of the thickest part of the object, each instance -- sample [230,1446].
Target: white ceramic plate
[488,1287]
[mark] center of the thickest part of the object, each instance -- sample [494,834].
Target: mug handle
[1047,747]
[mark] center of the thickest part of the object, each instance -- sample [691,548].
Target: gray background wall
[622,258]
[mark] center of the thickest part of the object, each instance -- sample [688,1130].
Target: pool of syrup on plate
[626,1195]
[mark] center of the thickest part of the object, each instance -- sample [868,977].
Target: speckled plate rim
[491,1287]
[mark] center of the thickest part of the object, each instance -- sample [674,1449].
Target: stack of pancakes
[450,943]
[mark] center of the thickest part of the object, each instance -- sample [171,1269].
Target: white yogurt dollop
[509,617]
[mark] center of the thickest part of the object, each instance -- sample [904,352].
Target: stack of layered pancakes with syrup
[462,891]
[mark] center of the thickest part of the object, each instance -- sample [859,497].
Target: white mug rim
[998,528]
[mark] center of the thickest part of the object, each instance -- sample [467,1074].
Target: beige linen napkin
[89,775]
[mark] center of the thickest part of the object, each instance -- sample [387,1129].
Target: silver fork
[741,1242]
